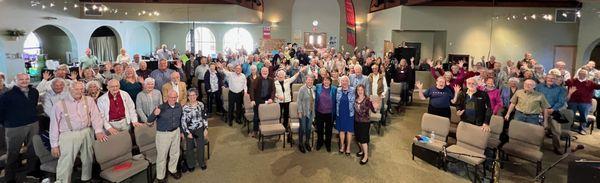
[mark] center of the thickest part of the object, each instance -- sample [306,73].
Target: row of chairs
[471,143]
[114,152]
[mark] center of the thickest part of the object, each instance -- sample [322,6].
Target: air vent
[566,15]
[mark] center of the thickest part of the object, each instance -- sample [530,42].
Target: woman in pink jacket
[494,95]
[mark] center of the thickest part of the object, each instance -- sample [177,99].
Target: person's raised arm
[419,86]
[456,92]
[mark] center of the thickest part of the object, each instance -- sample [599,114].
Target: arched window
[237,38]
[204,40]
[32,45]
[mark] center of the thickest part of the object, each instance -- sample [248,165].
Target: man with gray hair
[70,123]
[529,104]
[560,65]
[46,84]
[168,129]
[56,94]
[18,115]
[147,100]
[358,78]
[117,109]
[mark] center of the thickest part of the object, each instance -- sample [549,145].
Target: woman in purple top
[325,113]
[362,107]
[493,94]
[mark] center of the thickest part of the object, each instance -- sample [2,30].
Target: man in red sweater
[580,96]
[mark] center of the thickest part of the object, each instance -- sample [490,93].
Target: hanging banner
[350,24]
[267,32]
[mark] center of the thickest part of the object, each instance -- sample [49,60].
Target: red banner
[350,23]
[267,32]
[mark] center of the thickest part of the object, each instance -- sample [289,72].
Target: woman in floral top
[362,107]
[194,123]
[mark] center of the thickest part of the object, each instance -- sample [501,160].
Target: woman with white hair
[345,98]
[147,100]
[507,92]
[123,57]
[283,95]
[93,89]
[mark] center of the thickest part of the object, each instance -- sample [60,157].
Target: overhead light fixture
[533,16]
[52,4]
[43,6]
[143,12]
[85,9]
[75,6]
[578,14]
[65,8]
[564,15]
[125,13]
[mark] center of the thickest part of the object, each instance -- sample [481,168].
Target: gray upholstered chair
[225,102]
[470,146]
[48,162]
[294,120]
[248,112]
[376,117]
[395,92]
[269,123]
[496,125]
[454,120]
[145,138]
[114,152]
[566,133]
[431,152]
[525,143]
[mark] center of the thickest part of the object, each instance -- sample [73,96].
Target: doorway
[567,54]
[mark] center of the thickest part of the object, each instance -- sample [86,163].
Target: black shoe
[176,176]
[347,154]
[230,123]
[364,162]
[289,139]
[328,148]
[203,167]
[319,146]
[191,170]
[360,154]
[301,148]
[307,147]
[161,180]
[341,152]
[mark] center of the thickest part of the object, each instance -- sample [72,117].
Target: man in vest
[70,123]
[377,85]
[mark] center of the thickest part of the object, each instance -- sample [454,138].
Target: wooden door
[568,54]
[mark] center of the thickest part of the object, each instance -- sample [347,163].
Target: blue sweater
[439,98]
[16,110]
[555,95]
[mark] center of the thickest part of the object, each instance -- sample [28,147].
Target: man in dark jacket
[213,82]
[473,106]
[262,92]
[18,115]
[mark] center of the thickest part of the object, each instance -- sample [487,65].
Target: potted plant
[14,34]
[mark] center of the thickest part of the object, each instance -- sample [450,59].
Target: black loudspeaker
[582,171]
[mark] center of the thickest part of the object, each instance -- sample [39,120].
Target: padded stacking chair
[295,88]
[269,123]
[496,125]
[294,121]
[48,162]
[566,133]
[225,101]
[431,152]
[145,138]
[525,143]
[454,120]
[376,117]
[395,97]
[470,146]
[115,152]
[248,112]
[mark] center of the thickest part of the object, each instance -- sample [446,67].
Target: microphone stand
[541,174]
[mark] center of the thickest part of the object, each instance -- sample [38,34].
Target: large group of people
[339,89]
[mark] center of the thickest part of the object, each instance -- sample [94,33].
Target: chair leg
[284,140]
[148,173]
[538,169]
[592,128]
[208,150]
[567,144]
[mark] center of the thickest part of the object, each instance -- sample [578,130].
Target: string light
[85,9]
[65,8]
[75,6]
[125,13]
[564,15]
[52,4]
[94,7]
[533,16]
[578,14]
[43,6]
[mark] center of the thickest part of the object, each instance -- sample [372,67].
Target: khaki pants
[167,142]
[70,143]
[556,130]
[121,125]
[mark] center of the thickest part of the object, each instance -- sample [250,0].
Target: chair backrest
[294,110]
[471,137]
[247,102]
[225,93]
[114,151]
[453,116]
[296,86]
[438,124]
[40,150]
[376,99]
[395,88]
[529,135]
[268,113]
[496,125]
[295,95]
[145,138]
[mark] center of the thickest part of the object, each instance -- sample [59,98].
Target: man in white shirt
[237,89]
[53,96]
[164,53]
[560,65]
[117,109]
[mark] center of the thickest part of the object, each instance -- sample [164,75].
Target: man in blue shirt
[168,124]
[555,95]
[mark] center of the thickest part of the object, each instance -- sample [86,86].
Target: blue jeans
[304,130]
[584,110]
[527,118]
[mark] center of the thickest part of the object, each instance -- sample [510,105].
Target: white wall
[327,12]
[589,36]
[20,15]
[380,27]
